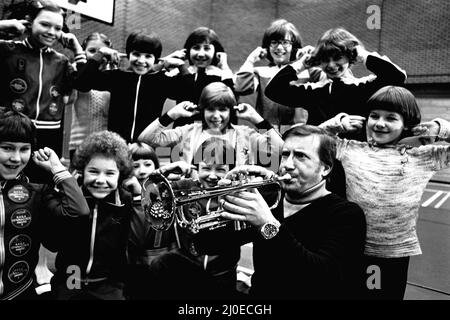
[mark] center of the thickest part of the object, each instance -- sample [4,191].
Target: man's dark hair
[327,144]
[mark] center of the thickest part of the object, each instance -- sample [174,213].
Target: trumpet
[163,203]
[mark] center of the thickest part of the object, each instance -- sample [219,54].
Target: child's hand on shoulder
[47,159]
[184,109]
[245,111]
[132,185]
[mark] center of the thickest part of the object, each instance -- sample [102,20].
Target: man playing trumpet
[311,245]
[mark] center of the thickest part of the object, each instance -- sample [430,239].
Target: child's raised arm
[15,26]
[69,200]
[246,80]
[343,123]
[157,134]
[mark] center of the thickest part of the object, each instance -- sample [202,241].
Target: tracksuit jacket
[97,242]
[136,100]
[35,80]
[28,216]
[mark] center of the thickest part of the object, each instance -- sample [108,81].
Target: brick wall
[414,33]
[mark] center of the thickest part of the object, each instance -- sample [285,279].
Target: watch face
[269,230]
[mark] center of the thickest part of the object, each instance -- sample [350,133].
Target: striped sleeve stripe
[61,176]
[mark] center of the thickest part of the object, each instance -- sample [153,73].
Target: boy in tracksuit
[138,93]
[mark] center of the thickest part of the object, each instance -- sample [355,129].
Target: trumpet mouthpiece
[284,177]
[224,182]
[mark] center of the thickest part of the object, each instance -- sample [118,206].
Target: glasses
[285,43]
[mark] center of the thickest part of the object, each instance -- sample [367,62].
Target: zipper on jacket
[135,107]
[91,250]
[2,239]
[41,67]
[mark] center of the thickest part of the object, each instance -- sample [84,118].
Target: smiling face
[93,46]
[217,118]
[202,54]
[14,156]
[141,62]
[335,67]
[210,173]
[101,176]
[46,28]
[142,169]
[300,158]
[281,50]
[384,127]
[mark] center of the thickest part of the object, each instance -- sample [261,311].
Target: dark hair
[29,10]
[16,127]
[327,144]
[200,35]
[399,100]
[278,31]
[335,43]
[138,41]
[217,94]
[215,151]
[141,150]
[97,36]
[107,144]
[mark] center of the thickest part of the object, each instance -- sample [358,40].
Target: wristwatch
[270,229]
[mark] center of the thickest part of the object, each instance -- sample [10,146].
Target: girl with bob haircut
[280,44]
[387,175]
[206,62]
[218,110]
[97,242]
[29,211]
[145,160]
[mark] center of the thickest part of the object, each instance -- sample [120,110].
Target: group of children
[105,245]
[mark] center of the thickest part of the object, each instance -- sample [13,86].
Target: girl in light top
[90,109]
[219,111]
[386,177]
[280,44]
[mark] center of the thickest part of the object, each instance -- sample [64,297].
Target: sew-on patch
[20,245]
[18,85]
[21,218]
[21,65]
[19,194]
[53,108]
[54,93]
[11,45]
[18,271]
[18,105]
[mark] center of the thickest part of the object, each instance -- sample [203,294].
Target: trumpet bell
[165,202]
[157,201]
